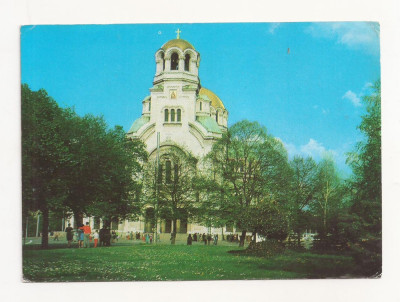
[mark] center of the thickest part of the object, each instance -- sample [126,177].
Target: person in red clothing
[86,233]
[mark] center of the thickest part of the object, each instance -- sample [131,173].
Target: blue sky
[310,97]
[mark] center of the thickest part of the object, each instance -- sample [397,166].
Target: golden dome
[180,43]
[215,101]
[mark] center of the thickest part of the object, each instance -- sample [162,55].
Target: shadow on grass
[311,265]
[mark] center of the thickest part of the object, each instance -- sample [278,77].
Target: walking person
[189,240]
[209,238]
[70,234]
[86,237]
[96,238]
[80,236]
[101,236]
[215,239]
[204,239]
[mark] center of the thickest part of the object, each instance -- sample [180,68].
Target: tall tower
[185,114]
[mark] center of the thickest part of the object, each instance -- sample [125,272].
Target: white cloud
[318,151]
[352,97]
[313,148]
[364,35]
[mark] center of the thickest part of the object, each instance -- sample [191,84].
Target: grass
[180,262]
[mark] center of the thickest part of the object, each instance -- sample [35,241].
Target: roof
[139,123]
[209,123]
[180,43]
[215,100]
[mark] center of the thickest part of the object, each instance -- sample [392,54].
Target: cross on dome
[178,32]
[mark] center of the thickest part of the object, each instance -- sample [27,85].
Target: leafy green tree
[252,167]
[76,164]
[118,187]
[171,190]
[367,187]
[44,156]
[304,172]
[327,187]
[212,206]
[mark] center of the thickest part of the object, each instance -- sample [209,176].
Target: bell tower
[175,86]
[177,59]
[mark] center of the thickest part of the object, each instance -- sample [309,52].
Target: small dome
[215,100]
[180,43]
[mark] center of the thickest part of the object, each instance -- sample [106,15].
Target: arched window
[172,115]
[174,61]
[176,172]
[187,62]
[166,115]
[163,61]
[149,106]
[216,116]
[178,115]
[168,171]
[160,172]
[201,105]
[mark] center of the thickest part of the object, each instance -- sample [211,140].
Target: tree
[213,208]
[76,164]
[44,155]
[118,185]
[327,187]
[171,190]
[253,167]
[302,192]
[367,187]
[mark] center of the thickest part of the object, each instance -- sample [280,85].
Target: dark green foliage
[266,219]
[301,194]
[44,155]
[75,165]
[252,168]
[367,188]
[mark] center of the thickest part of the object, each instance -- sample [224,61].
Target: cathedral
[178,111]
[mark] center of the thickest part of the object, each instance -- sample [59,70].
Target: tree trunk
[254,237]
[45,228]
[223,237]
[78,220]
[173,234]
[107,222]
[242,238]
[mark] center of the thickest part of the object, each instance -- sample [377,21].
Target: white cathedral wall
[175,132]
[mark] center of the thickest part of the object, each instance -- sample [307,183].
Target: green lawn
[179,262]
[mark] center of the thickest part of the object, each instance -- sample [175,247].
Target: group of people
[84,236]
[132,236]
[205,238]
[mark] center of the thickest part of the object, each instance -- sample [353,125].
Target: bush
[266,248]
